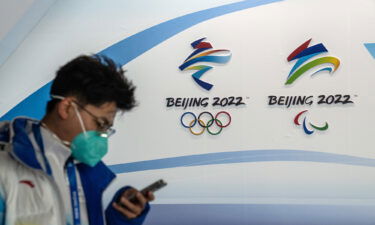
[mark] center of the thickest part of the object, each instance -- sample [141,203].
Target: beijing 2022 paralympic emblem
[304,53]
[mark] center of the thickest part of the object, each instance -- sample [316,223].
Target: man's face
[93,117]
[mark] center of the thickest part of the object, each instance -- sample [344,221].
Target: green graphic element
[325,127]
[312,64]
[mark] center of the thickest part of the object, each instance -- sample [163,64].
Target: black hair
[93,80]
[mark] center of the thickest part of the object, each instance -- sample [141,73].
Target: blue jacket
[17,149]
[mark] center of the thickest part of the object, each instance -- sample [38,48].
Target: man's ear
[64,108]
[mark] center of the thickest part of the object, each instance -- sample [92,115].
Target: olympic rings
[212,120]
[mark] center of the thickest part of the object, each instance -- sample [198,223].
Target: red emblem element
[27,182]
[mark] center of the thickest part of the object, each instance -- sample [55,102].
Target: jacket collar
[24,149]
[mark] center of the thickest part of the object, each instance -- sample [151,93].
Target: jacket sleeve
[114,217]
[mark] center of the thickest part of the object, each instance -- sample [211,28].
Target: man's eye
[103,124]
[100,124]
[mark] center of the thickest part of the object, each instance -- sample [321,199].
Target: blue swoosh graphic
[307,131]
[242,157]
[131,47]
[371,48]
[329,69]
[216,59]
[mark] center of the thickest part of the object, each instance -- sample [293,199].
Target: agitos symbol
[201,55]
[205,125]
[304,125]
[304,53]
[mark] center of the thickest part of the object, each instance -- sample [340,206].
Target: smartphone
[152,187]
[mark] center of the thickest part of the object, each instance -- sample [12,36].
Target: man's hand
[132,209]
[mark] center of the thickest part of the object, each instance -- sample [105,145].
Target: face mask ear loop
[57,97]
[80,119]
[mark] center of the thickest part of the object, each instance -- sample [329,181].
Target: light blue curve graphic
[371,48]
[301,61]
[242,157]
[131,47]
[329,69]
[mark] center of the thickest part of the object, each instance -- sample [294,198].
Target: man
[51,171]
